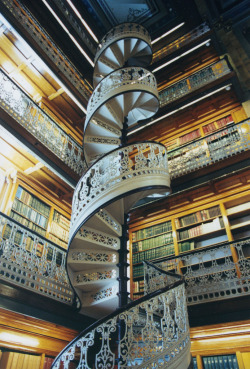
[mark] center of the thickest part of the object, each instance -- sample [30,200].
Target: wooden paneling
[24,333]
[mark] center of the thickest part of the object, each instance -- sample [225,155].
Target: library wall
[32,336]
[212,214]
[195,119]
[219,340]
[38,209]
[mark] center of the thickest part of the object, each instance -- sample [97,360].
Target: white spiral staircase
[152,331]
[119,175]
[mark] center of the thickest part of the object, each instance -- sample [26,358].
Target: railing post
[123,265]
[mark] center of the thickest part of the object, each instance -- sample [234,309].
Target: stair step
[90,237]
[80,259]
[102,140]
[100,127]
[93,279]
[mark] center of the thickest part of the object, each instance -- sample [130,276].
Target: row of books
[211,127]
[220,362]
[201,229]
[138,271]
[61,220]
[198,216]
[138,286]
[149,243]
[29,213]
[152,231]
[27,223]
[59,231]
[151,254]
[186,246]
[57,241]
[32,201]
[190,136]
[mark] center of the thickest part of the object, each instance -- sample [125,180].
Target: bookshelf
[30,211]
[59,229]
[238,214]
[151,243]
[201,228]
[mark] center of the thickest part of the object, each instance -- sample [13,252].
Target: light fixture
[207,42]
[167,33]
[69,34]
[83,21]
[227,87]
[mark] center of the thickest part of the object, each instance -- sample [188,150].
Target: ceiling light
[167,33]
[83,21]
[207,42]
[227,87]
[69,34]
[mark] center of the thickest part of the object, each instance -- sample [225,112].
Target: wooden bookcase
[41,217]
[210,224]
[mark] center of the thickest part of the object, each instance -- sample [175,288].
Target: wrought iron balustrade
[194,82]
[213,273]
[32,262]
[150,332]
[208,150]
[180,42]
[30,116]
[123,167]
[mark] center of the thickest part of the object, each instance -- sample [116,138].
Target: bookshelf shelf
[59,229]
[196,223]
[147,238]
[27,218]
[203,235]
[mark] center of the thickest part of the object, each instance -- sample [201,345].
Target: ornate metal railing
[118,82]
[180,42]
[124,30]
[120,169]
[30,116]
[194,82]
[150,332]
[208,150]
[215,273]
[45,42]
[32,262]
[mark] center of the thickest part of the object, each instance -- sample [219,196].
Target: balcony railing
[208,150]
[32,262]
[19,106]
[194,82]
[216,273]
[180,42]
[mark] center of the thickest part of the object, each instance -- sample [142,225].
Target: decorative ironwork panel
[95,257]
[120,32]
[210,149]
[100,238]
[32,262]
[118,81]
[95,276]
[114,169]
[18,105]
[105,293]
[194,82]
[155,279]
[214,274]
[111,221]
[151,334]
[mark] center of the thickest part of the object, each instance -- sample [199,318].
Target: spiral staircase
[152,331]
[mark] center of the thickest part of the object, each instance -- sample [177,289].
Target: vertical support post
[124,137]
[123,265]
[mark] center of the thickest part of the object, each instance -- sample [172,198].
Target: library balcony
[20,109]
[187,40]
[208,76]
[214,273]
[32,262]
[228,142]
